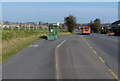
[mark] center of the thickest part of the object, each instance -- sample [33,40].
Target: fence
[32,28]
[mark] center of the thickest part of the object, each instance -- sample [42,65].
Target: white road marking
[57,65]
[33,46]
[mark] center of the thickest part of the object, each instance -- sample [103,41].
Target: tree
[60,26]
[91,24]
[97,26]
[51,25]
[70,22]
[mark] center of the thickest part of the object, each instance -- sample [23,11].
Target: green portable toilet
[52,32]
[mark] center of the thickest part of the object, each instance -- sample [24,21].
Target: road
[69,57]
[107,48]
[79,61]
[37,61]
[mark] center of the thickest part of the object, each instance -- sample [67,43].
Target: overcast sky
[56,11]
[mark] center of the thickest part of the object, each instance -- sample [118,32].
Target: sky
[119,10]
[60,0]
[53,12]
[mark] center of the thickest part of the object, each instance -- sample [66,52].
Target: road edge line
[56,58]
[110,70]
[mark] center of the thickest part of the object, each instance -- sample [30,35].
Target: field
[15,40]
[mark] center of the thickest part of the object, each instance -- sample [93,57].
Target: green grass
[17,48]
[15,40]
[8,34]
[64,33]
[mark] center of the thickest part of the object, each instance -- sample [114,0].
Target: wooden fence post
[1,25]
[33,27]
[29,26]
[25,27]
[12,26]
[36,26]
[18,26]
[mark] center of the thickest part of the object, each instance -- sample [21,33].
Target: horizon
[52,12]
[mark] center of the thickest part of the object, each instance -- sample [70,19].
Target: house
[43,26]
[115,24]
[116,27]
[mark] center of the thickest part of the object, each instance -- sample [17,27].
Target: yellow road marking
[94,51]
[118,79]
[90,46]
[114,74]
[101,59]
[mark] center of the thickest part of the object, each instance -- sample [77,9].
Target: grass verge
[15,41]
[64,33]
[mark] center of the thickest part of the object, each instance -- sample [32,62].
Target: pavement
[68,57]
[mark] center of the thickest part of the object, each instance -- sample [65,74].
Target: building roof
[116,22]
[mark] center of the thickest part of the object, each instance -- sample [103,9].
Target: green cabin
[52,32]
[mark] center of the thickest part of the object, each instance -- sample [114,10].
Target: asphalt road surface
[37,61]
[68,57]
[106,47]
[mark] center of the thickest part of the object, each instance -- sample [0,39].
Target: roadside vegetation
[70,22]
[0,45]
[108,29]
[116,30]
[64,33]
[15,40]
[95,25]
